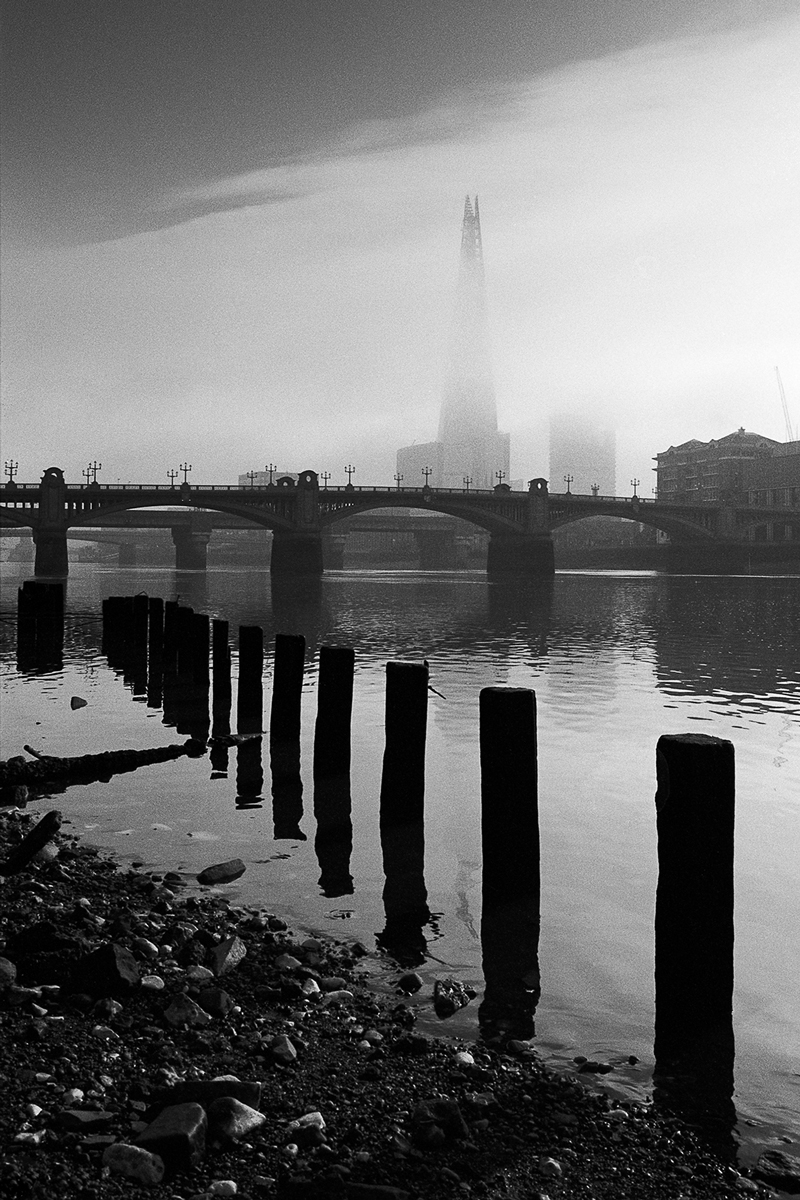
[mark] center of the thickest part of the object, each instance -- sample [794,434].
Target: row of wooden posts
[694,804]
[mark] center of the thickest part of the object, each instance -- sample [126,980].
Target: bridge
[300,513]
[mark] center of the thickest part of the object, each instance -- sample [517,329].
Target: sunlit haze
[284,293]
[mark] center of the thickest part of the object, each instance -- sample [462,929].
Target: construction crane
[790,436]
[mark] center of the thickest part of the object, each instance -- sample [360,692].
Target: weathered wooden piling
[509,792]
[333,840]
[200,638]
[334,711]
[185,630]
[510,919]
[155,650]
[695,801]
[40,625]
[403,776]
[287,687]
[249,699]
[221,662]
[170,640]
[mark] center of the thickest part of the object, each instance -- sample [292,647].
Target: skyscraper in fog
[469,446]
[585,450]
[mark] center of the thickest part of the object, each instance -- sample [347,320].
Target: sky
[231,227]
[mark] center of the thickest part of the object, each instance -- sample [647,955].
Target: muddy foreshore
[122,997]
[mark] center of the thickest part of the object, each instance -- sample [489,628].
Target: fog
[642,253]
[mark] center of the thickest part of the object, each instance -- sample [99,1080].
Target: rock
[183,1010]
[779,1171]
[287,962]
[199,974]
[551,1168]
[226,955]
[341,996]
[216,1002]
[223,1187]
[144,948]
[462,1058]
[110,970]
[7,973]
[283,1050]
[231,1120]
[222,872]
[449,996]
[333,983]
[153,983]
[177,1135]
[77,702]
[443,1113]
[205,1091]
[592,1067]
[47,854]
[134,1163]
[307,1131]
[86,1120]
[410,982]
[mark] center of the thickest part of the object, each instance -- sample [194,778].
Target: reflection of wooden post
[509,792]
[334,712]
[221,660]
[287,687]
[403,779]
[694,898]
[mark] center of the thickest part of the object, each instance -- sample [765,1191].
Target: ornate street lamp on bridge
[427,472]
[11,467]
[90,473]
[251,475]
[186,468]
[172,476]
[568,480]
[467,480]
[500,476]
[270,468]
[350,472]
[595,489]
[634,484]
[325,476]
[398,480]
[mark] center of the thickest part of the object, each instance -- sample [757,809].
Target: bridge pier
[296,554]
[520,554]
[51,557]
[333,545]
[191,548]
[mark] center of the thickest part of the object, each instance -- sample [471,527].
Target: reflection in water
[333,842]
[249,774]
[693,1079]
[616,660]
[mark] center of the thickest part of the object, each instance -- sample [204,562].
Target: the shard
[469,452]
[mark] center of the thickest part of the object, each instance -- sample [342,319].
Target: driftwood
[39,836]
[87,768]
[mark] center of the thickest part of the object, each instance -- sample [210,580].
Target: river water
[615,659]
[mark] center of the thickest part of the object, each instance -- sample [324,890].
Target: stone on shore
[108,971]
[223,872]
[226,955]
[231,1120]
[134,1163]
[177,1136]
[183,1010]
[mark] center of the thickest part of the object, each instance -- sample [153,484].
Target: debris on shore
[154,1036]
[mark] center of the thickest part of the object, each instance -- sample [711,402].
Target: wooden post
[510,917]
[185,626]
[403,777]
[249,701]
[170,642]
[287,687]
[334,712]
[694,898]
[200,635]
[155,649]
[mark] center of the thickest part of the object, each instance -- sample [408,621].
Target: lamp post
[568,480]
[634,485]
[186,468]
[350,472]
[500,476]
[270,468]
[467,480]
[595,488]
[11,467]
[251,475]
[92,470]
[172,476]
[325,476]
[398,480]
[427,472]
[87,475]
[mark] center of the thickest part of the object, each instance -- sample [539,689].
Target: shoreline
[93,1054]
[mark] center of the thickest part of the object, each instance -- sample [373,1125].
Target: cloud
[641,242]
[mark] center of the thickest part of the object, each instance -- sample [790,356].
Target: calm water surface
[615,660]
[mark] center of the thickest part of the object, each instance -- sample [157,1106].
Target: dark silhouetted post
[694,1045]
[170,642]
[287,687]
[249,701]
[334,712]
[511,879]
[402,809]
[155,650]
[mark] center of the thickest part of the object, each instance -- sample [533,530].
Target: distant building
[582,456]
[469,450]
[741,464]
[265,478]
